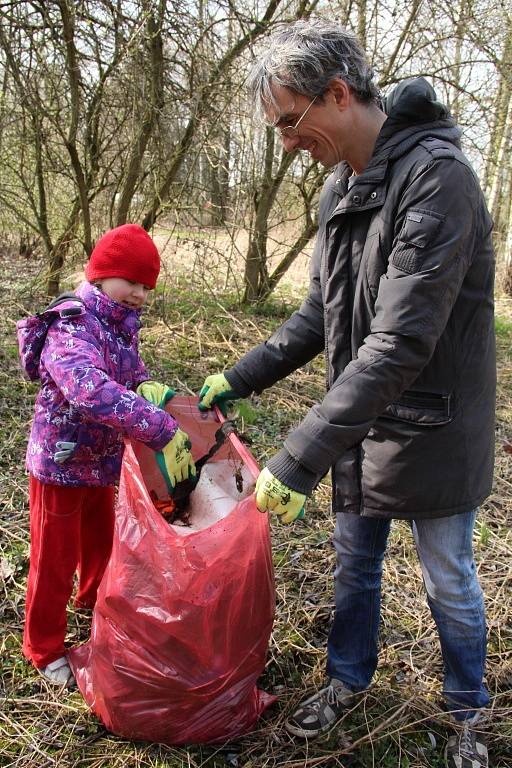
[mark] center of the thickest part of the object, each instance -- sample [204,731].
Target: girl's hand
[175,460]
[156,393]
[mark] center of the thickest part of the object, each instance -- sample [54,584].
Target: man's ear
[340,92]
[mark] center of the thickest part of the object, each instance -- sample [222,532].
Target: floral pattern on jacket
[89,366]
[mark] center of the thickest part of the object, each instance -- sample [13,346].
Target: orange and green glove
[216,390]
[156,393]
[276,497]
[175,460]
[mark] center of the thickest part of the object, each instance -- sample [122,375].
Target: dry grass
[193,330]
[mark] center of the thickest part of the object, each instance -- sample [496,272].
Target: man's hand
[273,495]
[216,390]
[156,393]
[175,460]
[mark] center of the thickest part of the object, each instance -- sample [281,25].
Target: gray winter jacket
[401,301]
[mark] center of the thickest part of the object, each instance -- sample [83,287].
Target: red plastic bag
[183,617]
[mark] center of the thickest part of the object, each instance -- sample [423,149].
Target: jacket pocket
[428,409]
[419,229]
[93,442]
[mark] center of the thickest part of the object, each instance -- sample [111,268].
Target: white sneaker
[59,673]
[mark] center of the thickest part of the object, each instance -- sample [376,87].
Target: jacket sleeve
[438,222]
[295,343]
[73,358]
[140,373]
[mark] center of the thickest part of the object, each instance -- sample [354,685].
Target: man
[401,302]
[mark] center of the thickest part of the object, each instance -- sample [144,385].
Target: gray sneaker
[321,711]
[467,748]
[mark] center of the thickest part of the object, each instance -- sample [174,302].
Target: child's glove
[216,390]
[156,393]
[175,460]
[64,451]
[275,496]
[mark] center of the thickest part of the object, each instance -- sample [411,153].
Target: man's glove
[216,390]
[273,495]
[156,393]
[175,460]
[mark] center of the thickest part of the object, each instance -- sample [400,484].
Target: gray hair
[305,56]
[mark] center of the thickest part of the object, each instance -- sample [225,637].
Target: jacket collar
[110,312]
[367,191]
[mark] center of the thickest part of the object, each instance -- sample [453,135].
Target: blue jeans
[444,547]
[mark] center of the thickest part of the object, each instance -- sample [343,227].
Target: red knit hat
[128,252]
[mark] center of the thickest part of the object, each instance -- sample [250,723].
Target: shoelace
[467,747]
[333,695]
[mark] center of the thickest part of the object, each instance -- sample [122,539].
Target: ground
[192,330]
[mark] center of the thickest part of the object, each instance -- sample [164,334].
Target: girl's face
[131,295]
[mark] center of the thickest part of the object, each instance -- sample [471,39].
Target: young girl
[92,379]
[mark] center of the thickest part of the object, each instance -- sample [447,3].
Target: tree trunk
[501,159]
[308,190]
[503,96]
[59,251]
[459,33]
[310,229]
[150,116]
[219,178]
[255,265]
[73,72]
[361,21]
[256,272]
[507,257]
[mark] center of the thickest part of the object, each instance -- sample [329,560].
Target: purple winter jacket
[89,366]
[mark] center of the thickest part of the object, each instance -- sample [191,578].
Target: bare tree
[113,110]
[55,56]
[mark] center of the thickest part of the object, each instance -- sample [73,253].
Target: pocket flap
[420,227]
[426,408]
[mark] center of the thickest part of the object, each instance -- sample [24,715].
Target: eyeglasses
[292,131]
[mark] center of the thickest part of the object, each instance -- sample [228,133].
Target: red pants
[70,529]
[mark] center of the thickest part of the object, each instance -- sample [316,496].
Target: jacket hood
[414,101]
[413,112]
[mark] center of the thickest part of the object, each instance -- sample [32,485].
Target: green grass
[503,328]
